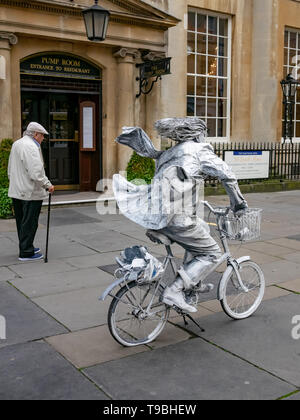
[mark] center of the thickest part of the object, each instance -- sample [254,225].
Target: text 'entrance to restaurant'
[63,93]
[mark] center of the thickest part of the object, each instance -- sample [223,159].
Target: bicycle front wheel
[136,316]
[238,303]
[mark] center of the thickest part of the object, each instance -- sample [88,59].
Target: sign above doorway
[149,70]
[59,65]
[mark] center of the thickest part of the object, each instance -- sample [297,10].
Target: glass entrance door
[63,130]
[59,114]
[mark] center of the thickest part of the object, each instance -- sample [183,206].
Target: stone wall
[160,4]
[257,63]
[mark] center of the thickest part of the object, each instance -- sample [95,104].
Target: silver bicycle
[137,315]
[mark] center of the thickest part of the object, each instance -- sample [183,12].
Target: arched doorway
[64,92]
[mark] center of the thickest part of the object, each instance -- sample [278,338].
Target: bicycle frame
[232,264]
[138,311]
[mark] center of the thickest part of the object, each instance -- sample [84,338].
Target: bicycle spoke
[131,323]
[239,303]
[145,296]
[126,303]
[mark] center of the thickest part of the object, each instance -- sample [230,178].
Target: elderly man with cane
[28,186]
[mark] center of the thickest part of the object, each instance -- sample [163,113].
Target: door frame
[91,156]
[98,128]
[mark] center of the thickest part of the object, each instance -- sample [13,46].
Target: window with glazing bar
[292,66]
[208,78]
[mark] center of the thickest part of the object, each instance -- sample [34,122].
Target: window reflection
[208,63]
[212,25]
[291,59]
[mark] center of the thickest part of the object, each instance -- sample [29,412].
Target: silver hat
[182,129]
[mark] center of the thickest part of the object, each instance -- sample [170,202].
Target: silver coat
[179,170]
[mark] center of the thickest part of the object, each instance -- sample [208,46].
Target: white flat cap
[36,128]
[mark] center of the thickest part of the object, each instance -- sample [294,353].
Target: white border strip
[94,200]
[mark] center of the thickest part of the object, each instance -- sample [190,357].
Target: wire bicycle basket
[245,227]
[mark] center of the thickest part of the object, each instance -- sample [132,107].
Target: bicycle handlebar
[219,212]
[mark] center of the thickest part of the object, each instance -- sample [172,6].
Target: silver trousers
[202,251]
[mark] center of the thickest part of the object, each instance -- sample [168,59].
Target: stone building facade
[262,45]
[228,57]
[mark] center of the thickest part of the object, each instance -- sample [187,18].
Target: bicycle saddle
[158,238]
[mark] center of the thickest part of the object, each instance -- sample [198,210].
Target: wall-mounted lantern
[289,88]
[96,20]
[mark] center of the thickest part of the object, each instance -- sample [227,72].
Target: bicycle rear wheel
[131,322]
[237,303]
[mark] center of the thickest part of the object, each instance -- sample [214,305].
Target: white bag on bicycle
[140,264]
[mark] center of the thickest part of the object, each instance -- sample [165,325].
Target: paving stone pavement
[25,321]
[58,345]
[264,340]
[35,371]
[190,370]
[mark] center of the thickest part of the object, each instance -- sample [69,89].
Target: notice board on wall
[248,164]
[87,127]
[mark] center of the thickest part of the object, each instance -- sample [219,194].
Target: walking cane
[48,223]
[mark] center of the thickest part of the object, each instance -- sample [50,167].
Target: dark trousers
[27,219]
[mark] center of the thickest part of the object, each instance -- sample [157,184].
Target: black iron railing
[284,159]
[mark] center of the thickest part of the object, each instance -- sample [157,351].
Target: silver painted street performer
[181,167]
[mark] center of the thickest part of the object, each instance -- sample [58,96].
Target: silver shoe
[173,297]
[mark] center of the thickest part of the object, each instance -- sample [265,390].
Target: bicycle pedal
[178,310]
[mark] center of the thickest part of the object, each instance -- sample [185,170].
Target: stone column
[174,86]
[153,104]
[6,111]
[265,82]
[126,58]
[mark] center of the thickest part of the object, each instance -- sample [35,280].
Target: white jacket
[27,178]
